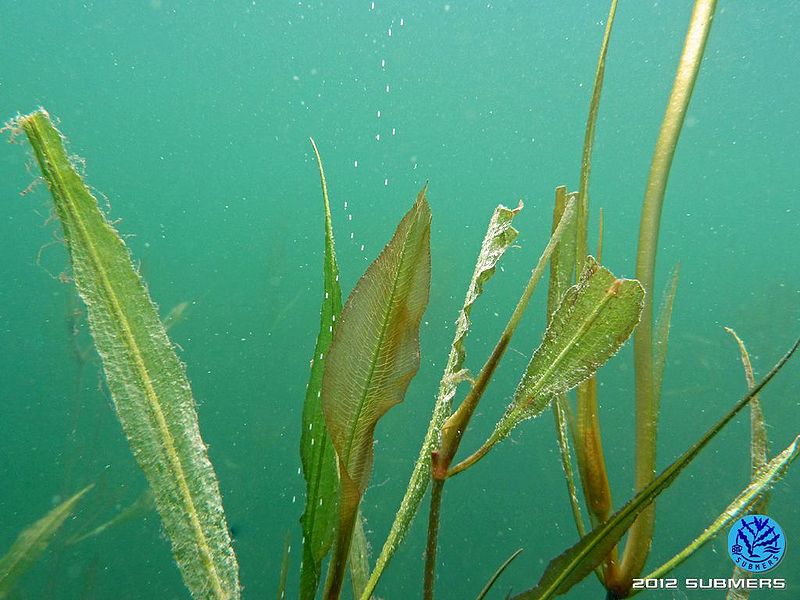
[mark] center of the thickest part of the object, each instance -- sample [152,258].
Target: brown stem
[433,535]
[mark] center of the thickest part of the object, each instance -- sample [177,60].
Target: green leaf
[33,541]
[764,480]
[499,237]
[372,359]
[147,380]
[316,451]
[593,320]
[574,564]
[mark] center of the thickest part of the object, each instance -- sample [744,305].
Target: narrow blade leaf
[372,359]
[146,378]
[574,564]
[593,320]
[316,451]
[32,542]
[499,237]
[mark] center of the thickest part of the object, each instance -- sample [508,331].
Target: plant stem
[455,426]
[647,397]
[433,535]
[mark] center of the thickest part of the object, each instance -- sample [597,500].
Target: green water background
[193,120]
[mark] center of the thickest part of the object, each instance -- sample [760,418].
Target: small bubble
[378,114]
[377,137]
[386,182]
[355,164]
[390,32]
[362,247]
[387,88]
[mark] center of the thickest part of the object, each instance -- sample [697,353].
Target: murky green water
[194,119]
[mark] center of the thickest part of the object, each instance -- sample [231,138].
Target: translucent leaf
[316,451]
[499,237]
[372,359]
[147,380]
[32,542]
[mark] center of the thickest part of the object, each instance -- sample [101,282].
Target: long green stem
[433,535]
[647,396]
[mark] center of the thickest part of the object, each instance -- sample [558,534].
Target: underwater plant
[366,354]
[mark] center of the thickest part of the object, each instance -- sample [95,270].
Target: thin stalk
[433,535]
[647,396]
[455,426]
[588,142]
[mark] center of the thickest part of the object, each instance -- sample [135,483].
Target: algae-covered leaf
[147,380]
[499,237]
[33,541]
[316,451]
[763,480]
[372,359]
[577,562]
[591,323]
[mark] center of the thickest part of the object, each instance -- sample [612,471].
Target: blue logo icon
[756,543]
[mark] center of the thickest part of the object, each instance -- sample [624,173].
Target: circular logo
[756,543]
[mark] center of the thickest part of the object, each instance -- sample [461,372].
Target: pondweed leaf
[499,237]
[33,541]
[372,359]
[592,321]
[147,380]
[316,451]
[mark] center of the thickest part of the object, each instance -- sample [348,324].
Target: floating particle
[362,247]
[394,131]
[377,137]
[401,21]
[387,88]
[379,114]
[383,63]
[349,217]
[390,32]
[355,164]
[386,182]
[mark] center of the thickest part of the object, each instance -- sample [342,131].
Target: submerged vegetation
[367,353]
